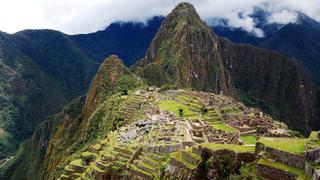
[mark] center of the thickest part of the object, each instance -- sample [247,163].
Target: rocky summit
[196,106]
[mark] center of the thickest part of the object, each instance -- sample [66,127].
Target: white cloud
[83,16]
[283,17]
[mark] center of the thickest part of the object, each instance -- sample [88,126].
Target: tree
[126,83]
[180,110]
[204,110]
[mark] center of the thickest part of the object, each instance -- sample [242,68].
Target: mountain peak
[103,83]
[184,52]
[184,15]
[185,9]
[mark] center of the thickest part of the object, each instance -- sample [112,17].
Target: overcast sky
[84,16]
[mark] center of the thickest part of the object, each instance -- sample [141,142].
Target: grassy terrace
[299,172]
[189,100]
[224,127]
[249,139]
[77,162]
[232,147]
[293,145]
[173,106]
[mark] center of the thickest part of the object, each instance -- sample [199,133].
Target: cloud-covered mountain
[81,16]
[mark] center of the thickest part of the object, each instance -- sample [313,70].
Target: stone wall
[189,158]
[246,156]
[260,147]
[188,144]
[313,154]
[197,150]
[284,157]
[274,173]
[312,172]
[309,169]
[316,175]
[137,175]
[287,158]
[165,148]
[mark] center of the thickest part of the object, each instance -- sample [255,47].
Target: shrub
[180,110]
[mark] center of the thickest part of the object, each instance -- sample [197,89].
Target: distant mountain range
[185,53]
[42,70]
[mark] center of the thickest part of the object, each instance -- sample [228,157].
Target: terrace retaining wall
[246,156]
[313,154]
[274,173]
[287,158]
[166,148]
[284,157]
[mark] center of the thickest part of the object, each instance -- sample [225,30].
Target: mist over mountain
[67,101]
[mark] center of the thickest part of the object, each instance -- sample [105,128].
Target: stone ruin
[201,132]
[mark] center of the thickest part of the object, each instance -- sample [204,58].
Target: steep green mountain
[120,129]
[123,130]
[299,40]
[186,53]
[84,120]
[40,72]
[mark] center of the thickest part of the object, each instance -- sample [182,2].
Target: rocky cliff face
[186,53]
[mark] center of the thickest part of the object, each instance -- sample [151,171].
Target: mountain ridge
[228,55]
[266,79]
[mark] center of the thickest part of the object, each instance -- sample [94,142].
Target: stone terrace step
[149,161]
[77,165]
[152,156]
[69,170]
[138,172]
[102,165]
[145,167]
[119,164]
[120,155]
[64,177]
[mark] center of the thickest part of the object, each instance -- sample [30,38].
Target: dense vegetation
[68,133]
[40,72]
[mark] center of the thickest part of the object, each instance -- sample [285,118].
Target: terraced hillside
[157,142]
